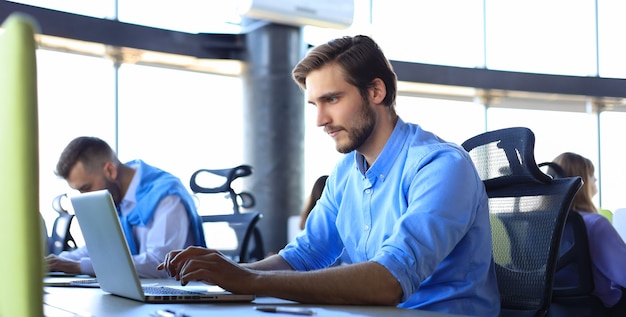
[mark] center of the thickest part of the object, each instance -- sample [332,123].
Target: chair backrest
[247,245]
[574,257]
[528,212]
[572,293]
[61,238]
[235,235]
[242,199]
[573,275]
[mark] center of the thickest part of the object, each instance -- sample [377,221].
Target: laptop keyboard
[167,291]
[84,282]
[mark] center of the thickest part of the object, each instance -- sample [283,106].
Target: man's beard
[115,191]
[359,132]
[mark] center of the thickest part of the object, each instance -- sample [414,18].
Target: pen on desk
[167,313]
[286,310]
[162,313]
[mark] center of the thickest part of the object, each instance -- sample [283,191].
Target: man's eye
[333,99]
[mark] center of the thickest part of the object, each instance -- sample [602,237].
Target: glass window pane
[75,97]
[192,16]
[611,38]
[454,121]
[445,32]
[180,121]
[555,131]
[613,169]
[554,37]
[97,9]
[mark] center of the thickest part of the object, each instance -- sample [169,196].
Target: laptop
[59,281]
[112,260]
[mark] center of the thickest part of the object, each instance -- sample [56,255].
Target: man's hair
[91,151]
[361,59]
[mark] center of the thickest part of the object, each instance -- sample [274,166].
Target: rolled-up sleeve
[319,245]
[441,205]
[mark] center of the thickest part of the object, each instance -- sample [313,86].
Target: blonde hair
[572,165]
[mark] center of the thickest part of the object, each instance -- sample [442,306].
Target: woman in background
[316,193]
[606,248]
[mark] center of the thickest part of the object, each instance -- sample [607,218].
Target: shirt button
[367,191]
[366,228]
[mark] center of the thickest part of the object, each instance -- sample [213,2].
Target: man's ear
[110,170]
[377,91]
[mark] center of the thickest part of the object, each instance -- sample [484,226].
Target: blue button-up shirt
[421,211]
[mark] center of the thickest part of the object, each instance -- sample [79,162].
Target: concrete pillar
[274,127]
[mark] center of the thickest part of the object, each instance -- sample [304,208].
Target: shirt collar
[387,156]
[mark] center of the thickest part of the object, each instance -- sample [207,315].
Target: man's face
[88,181]
[345,115]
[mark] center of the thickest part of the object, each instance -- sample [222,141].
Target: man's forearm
[366,283]
[271,263]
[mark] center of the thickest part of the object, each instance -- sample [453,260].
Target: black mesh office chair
[249,241]
[61,238]
[528,211]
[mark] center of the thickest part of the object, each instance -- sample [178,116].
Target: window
[536,36]
[76,97]
[166,116]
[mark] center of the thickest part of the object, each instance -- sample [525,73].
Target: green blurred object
[21,293]
[607,213]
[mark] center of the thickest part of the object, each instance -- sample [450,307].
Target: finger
[167,263]
[177,259]
[201,268]
[202,275]
[166,259]
[197,270]
[49,256]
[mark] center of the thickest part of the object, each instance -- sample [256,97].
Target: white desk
[94,302]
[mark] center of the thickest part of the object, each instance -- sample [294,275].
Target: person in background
[156,211]
[407,208]
[606,248]
[314,196]
[316,193]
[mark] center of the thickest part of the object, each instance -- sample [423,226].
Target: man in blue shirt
[405,211]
